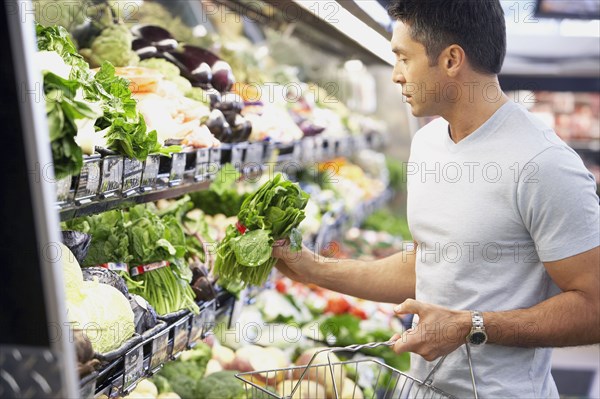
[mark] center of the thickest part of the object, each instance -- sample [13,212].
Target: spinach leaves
[272,213]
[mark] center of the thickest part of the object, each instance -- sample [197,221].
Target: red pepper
[361,314]
[281,286]
[241,228]
[337,305]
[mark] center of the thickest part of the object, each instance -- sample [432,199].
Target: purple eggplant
[144,49]
[241,130]
[151,33]
[214,96]
[230,102]
[218,126]
[222,78]
[310,129]
[202,74]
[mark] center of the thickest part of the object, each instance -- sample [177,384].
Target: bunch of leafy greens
[222,196]
[347,330]
[272,213]
[125,126]
[140,237]
[65,104]
[104,98]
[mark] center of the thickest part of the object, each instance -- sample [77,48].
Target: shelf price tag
[160,351]
[197,322]
[181,336]
[150,172]
[237,155]
[134,367]
[112,176]
[202,162]
[89,180]
[209,318]
[254,153]
[308,149]
[132,175]
[64,195]
[344,147]
[319,151]
[177,168]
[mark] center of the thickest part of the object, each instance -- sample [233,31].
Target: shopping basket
[295,382]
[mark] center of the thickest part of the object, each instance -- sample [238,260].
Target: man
[504,216]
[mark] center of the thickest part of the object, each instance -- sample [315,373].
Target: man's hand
[295,265]
[439,331]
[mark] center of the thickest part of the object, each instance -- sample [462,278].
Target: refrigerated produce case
[111,181]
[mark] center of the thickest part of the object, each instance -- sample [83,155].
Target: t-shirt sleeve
[557,200]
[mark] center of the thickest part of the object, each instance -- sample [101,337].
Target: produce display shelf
[158,346]
[114,182]
[335,224]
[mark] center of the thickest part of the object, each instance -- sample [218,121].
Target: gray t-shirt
[486,212]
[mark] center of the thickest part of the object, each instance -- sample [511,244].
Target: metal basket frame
[409,387]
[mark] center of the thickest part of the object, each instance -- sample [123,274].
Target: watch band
[477,320]
[477,335]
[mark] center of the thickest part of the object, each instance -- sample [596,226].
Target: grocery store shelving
[105,183]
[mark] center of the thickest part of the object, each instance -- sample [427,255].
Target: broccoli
[162,384]
[222,385]
[184,374]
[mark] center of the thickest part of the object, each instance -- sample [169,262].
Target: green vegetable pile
[140,237]
[272,213]
[79,97]
[222,196]
[112,45]
[222,385]
[183,375]
[387,221]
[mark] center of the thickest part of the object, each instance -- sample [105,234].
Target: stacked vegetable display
[86,110]
[151,249]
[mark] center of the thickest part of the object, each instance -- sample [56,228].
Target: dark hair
[477,26]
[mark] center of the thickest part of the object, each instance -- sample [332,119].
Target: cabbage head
[72,275]
[104,315]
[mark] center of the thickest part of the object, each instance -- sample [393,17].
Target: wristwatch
[477,336]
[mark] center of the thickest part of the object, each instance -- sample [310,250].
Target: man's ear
[452,60]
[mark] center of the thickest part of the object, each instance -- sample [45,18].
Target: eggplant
[230,102]
[78,243]
[310,129]
[218,126]
[222,79]
[201,284]
[202,74]
[151,33]
[242,130]
[106,276]
[214,96]
[144,49]
[197,55]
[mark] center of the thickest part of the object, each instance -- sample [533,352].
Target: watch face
[478,338]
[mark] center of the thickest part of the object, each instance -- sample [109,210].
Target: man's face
[422,84]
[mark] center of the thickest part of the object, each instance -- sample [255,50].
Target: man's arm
[570,318]
[390,279]
[567,319]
